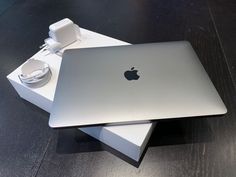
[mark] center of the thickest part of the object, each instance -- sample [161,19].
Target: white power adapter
[64,32]
[61,34]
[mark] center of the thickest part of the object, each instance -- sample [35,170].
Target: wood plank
[223,14]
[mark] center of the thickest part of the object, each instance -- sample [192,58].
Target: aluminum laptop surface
[130,84]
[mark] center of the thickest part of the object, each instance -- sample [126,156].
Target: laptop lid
[132,84]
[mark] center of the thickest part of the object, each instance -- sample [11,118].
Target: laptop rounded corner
[65,52]
[225,110]
[50,124]
[187,43]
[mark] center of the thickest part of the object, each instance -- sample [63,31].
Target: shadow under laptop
[182,131]
[167,132]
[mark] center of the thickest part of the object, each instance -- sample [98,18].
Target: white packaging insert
[128,139]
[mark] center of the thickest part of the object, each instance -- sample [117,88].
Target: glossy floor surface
[193,147]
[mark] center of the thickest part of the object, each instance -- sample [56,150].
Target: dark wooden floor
[193,147]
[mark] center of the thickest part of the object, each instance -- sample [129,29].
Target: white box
[128,139]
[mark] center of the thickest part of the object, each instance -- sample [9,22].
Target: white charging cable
[35,73]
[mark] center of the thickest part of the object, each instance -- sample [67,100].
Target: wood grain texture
[224,18]
[4,5]
[193,147]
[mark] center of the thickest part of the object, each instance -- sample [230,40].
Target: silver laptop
[132,84]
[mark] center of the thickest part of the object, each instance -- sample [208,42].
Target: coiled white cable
[35,73]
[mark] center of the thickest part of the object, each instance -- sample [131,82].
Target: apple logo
[131,74]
